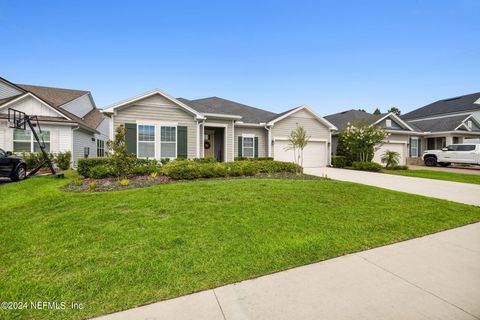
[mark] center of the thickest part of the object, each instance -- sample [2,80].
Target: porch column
[449,140]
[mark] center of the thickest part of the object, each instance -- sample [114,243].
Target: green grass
[114,251]
[437,175]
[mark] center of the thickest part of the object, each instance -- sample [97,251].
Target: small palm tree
[390,158]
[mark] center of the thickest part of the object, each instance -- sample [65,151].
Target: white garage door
[314,154]
[397,147]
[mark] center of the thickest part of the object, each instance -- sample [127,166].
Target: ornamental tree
[298,140]
[359,142]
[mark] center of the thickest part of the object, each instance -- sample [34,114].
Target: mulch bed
[111,184]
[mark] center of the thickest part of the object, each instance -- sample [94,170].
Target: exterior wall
[314,128]
[158,109]
[7,90]
[60,137]
[395,125]
[82,139]
[80,106]
[262,135]
[229,135]
[32,106]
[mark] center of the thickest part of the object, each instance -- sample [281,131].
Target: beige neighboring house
[68,118]
[160,126]
[432,127]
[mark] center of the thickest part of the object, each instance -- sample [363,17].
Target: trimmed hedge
[366,166]
[99,168]
[398,167]
[188,170]
[339,161]
[253,159]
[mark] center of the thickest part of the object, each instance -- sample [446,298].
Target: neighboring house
[400,133]
[159,126]
[68,118]
[434,126]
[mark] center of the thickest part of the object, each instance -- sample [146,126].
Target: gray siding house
[432,127]
[160,126]
[69,120]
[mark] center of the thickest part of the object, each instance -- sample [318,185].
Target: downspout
[269,144]
[73,147]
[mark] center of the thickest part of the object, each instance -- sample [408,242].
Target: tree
[395,110]
[359,142]
[377,111]
[390,158]
[298,140]
[121,159]
[362,110]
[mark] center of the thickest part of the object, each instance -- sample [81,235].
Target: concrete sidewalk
[447,190]
[434,277]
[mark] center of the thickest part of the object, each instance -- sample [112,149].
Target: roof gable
[447,106]
[298,109]
[128,102]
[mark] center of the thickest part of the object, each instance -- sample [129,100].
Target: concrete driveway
[434,277]
[453,191]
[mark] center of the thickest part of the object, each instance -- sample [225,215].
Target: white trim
[396,118]
[286,138]
[221,116]
[154,139]
[28,94]
[243,124]
[248,136]
[111,108]
[157,122]
[233,141]
[304,107]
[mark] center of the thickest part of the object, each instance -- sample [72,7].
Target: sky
[276,55]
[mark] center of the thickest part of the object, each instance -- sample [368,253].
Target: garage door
[314,154]
[397,147]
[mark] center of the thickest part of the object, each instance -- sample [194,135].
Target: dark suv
[12,167]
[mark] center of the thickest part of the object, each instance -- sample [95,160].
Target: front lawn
[438,175]
[117,250]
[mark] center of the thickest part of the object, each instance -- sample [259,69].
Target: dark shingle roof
[223,106]
[342,119]
[55,97]
[439,124]
[451,105]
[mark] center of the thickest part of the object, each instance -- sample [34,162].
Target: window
[452,148]
[146,141]
[388,123]
[100,148]
[466,147]
[469,124]
[24,141]
[414,147]
[248,147]
[168,142]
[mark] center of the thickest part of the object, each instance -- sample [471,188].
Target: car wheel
[20,173]
[430,162]
[444,164]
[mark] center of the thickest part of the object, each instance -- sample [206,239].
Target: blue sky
[331,55]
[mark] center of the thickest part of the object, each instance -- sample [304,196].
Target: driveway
[434,277]
[447,190]
[467,170]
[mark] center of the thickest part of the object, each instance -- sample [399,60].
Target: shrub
[101,171]
[92,185]
[34,159]
[121,159]
[144,167]
[187,170]
[123,182]
[398,167]
[152,176]
[85,165]
[339,161]
[366,166]
[252,159]
[390,158]
[63,159]
[205,160]
[78,182]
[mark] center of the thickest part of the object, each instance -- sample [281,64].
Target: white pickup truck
[467,153]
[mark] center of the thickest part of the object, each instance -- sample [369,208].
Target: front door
[209,144]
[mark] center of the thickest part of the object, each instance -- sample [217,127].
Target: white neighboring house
[69,119]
